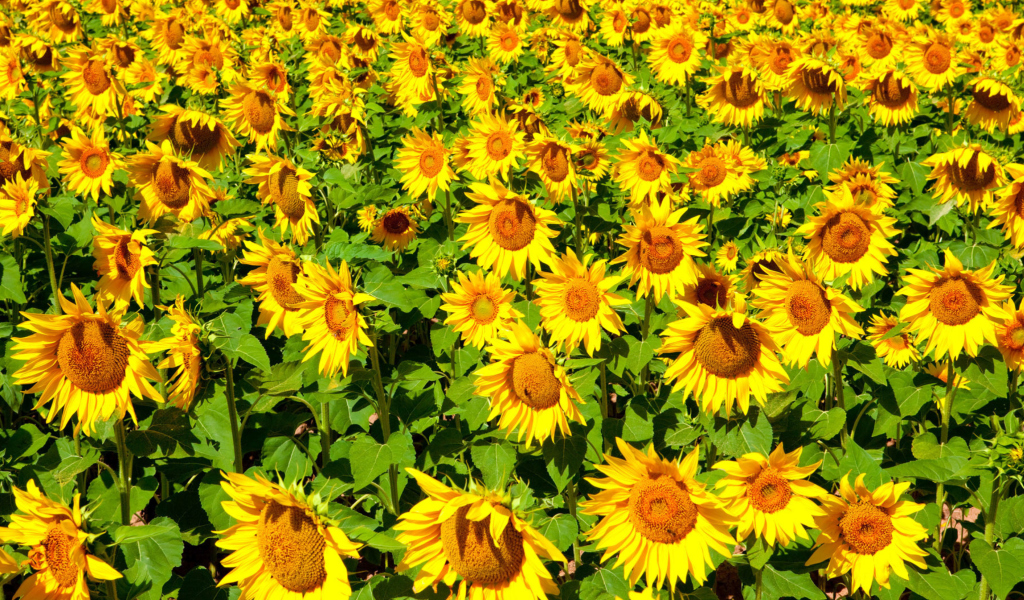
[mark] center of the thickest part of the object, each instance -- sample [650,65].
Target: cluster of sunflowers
[575,184]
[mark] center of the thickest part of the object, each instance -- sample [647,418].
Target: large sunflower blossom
[475,542]
[287,187]
[643,171]
[330,318]
[85,362]
[967,174]
[478,307]
[277,270]
[657,517]
[954,309]
[121,259]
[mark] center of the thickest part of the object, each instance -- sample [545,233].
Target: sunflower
[770,495]
[367,217]
[992,105]
[423,161]
[932,59]
[495,146]
[482,78]
[505,44]
[643,170]
[166,35]
[632,107]
[274,278]
[600,83]
[724,356]
[506,230]
[121,259]
[412,69]
[772,57]
[896,349]
[431,21]
[576,303]
[893,97]
[727,256]
[17,205]
[1007,211]
[757,267]
[734,97]
[183,355]
[660,247]
[868,532]
[966,174]
[711,288]
[231,11]
[57,547]
[781,15]
[847,236]
[675,53]
[552,160]
[256,114]
[1010,335]
[283,544]
[567,57]
[592,161]
[85,362]
[614,25]
[815,85]
[657,517]
[802,314]
[387,15]
[940,371]
[194,134]
[953,308]
[905,11]
[473,18]
[329,317]
[91,85]
[313,20]
[872,191]
[57,20]
[169,184]
[395,229]
[287,187]
[146,82]
[479,308]
[88,164]
[474,536]
[722,170]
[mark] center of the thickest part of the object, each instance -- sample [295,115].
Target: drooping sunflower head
[710,289]
[476,541]
[396,228]
[992,104]
[288,188]
[967,174]
[85,362]
[169,184]
[257,114]
[121,259]
[770,495]
[282,543]
[633,107]
[893,98]
[815,84]
[758,266]
[724,357]
[194,134]
[670,518]
[954,309]
[894,346]
[17,205]
[277,270]
[772,57]
[183,355]
[57,20]
[868,532]
[735,96]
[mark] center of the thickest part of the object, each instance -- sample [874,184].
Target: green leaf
[785,584]
[369,460]
[927,445]
[561,530]
[641,353]
[824,425]
[495,461]
[974,256]
[249,349]
[857,461]
[914,176]
[605,584]
[152,551]
[168,428]
[11,283]
[1010,519]
[939,583]
[199,585]
[825,158]
[638,425]
[1003,568]
[759,553]
[181,241]
[563,457]
[910,396]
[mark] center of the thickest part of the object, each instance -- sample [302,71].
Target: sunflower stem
[947,409]
[383,414]
[1012,394]
[832,123]
[155,285]
[949,109]
[686,94]
[998,490]
[197,254]
[111,590]
[837,386]
[758,584]
[578,232]
[644,330]
[570,502]
[35,107]
[78,451]
[236,436]
[711,224]
[49,260]
[125,467]
[325,434]
[448,214]
[440,105]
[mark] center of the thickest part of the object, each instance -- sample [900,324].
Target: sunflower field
[511,299]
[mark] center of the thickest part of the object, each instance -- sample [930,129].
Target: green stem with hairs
[945,412]
[448,214]
[645,329]
[758,584]
[383,414]
[236,435]
[197,254]
[325,434]
[998,489]
[48,251]
[124,462]
[949,109]
[837,385]
[578,233]
[832,123]
[155,285]
[82,474]
[570,502]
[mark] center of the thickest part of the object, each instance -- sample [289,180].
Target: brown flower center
[817,81]
[124,55]
[127,264]
[533,379]
[581,300]
[512,224]
[712,172]
[879,45]
[846,238]
[937,58]
[171,183]
[740,90]
[955,300]
[661,509]
[781,57]
[95,78]
[968,178]
[993,100]
[431,161]
[93,162]
[660,250]
[711,292]
[311,19]
[784,12]
[175,34]
[291,547]
[365,40]
[619,22]
[808,307]
[93,356]
[499,144]
[555,160]
[483,309]
[281,275]
[392,10]
[284,192]
[866,528]
[109,6]
[606,79]
[57,547]
[725,351]
[680,48]
[572,51]
[65,21]
[570,10]
[472,552]
[474,11]
[396,222]
[419,63]
[340,317]
[259,110]
[650,165]
[193,138]
[769,491]
[641,21]
[509,41]
[890,92]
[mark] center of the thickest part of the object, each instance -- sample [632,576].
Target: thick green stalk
[197,254]
[990,528]
[325,434]
[448,214]
[578,232]
[81,476]
[384,415]
[570,502]
[48,251]
[124,461]
[837,385]
[236,435]
[645,329]
[945,412]
[949,109]
[832,123]
[758,584]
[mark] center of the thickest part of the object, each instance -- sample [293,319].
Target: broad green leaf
[11,283]
[495,461]
[561,530]
[785,584]
[1003,568]
[825,158]
[151,552]
[938,583]
[369,460]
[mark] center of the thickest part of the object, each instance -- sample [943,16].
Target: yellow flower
[967,174]
[423,161]
[642,170]
[169,184]
[506,230]
[474,536]
[330,318]
[367,217]
[933,60]
[57,547]
[940,371]
[660,248]
[277,270]
[504,44]
[85,362]
[770,495]
[993,104]
[576,303]
[815,85]
[90,84]
[88,166]
[479,307]
[735,96]
[675,53]
[17,205]
[870,533]
[868,184]
[893,99]
[121,258]
[897,350]
[599,83]
[552,161]
[722,170]
[1010,335]
[183,355]
[803,314]
[710,288]
[194,134]
[478,86]
[724,356]
[495,145]
[952,308]
[395,229]
[758,266]
[282,545]
[657,517]
[256,114]
[727,256]
[287,187]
